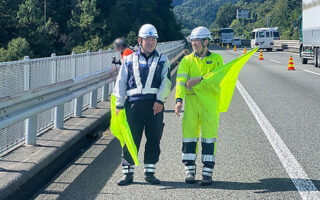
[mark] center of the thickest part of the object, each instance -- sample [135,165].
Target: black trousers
[140,117]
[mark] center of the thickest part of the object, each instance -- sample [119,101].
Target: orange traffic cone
[235,48]
[245,50]
[261,56]
[227,46]
[291,66]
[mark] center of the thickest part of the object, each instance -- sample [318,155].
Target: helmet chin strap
[203,48]
[142,46]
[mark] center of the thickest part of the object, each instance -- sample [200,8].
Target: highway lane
[247,165]
[289,99]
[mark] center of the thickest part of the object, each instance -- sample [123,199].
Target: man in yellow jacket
[190,73]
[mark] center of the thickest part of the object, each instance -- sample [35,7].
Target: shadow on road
[263,186]
[89,183]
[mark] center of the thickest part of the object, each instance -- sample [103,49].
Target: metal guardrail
[36,94]
[292,45]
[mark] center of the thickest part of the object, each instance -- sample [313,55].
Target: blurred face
[197,45]
[118,47]
[148,44]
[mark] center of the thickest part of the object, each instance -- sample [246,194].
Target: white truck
[226,35]
[310,32]
[264,38]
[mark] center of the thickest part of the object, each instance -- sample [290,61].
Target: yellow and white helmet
[200,33]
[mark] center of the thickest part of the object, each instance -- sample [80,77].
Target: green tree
[32,27]
[225,15]
[8,20]
[92,45]
[84,24]
[81,25]
[17,49]
[131,38]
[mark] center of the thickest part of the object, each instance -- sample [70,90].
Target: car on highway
[236,42]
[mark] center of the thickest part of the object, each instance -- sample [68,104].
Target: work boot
[150,178]
[127,179]
[206,180]
[190,179]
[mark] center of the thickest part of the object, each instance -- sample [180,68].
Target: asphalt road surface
[268,145]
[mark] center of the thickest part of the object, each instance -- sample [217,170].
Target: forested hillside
[216,14]
[192,13]
[39,28]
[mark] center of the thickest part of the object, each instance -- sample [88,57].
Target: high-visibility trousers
[196,117]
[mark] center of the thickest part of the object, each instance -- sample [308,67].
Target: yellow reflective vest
[191,66]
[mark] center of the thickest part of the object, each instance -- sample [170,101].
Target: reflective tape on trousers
[208,158]
[189,156]
[190,139]
[208,140]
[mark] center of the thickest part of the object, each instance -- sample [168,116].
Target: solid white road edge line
[298,176]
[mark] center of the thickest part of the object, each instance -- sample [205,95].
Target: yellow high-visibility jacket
[191,66]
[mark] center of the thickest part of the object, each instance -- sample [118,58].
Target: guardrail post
[59,116]
[31,130]
[58,112]
[93,98]
[105,92]
[111,86]
[30,123]
[78,106]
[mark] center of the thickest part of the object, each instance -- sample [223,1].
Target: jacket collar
[208,54]
[155,52]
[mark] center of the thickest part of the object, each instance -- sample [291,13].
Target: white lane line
[276,61]
[312,72]
[298,176]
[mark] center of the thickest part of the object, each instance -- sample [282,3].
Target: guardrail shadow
[98,172]
[89,182]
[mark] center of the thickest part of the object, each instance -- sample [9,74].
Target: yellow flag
[218,86]
[120,129]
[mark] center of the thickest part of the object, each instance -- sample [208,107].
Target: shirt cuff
[179,100]
[159,101]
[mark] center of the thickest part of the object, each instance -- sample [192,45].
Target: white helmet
[200,33]
[148,30]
